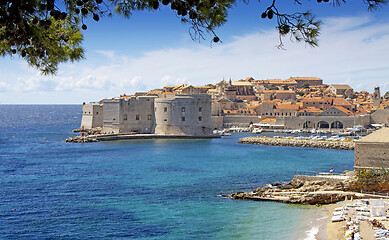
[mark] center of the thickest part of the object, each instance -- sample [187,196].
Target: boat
[257,130]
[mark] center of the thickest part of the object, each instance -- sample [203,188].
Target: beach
[336,230]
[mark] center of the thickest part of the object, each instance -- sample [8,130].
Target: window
[200,118]
[165,109]
[137,117]
[165,120]
[97,113]
[124,117]
[183,110]
[200,109]
[183,119]
[149,117]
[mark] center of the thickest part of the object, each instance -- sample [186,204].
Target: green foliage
[272,87]
[386,96]
[285,87]
[306,85]
[372,173]
[301,93]
[47,32]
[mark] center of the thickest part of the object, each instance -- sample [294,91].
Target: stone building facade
[326,122]
[167,115]
[372,151]
[133,114]
[341,90]
[92,115]
[184,115]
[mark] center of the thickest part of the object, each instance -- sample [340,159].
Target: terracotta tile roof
[317,100]
[340,86]
[340,101]
[303,78]
[287,106]
[240,83]
[203,87]
[344,110]
[310,109]
[276,91]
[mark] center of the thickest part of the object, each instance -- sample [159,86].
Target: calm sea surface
[143,189]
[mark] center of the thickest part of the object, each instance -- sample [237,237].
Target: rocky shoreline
[298,143]
[311,190]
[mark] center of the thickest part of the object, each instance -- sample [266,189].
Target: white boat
[257,130]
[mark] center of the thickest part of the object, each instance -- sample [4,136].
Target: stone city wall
[381,116]
[371,155]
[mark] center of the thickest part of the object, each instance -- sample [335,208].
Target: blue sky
[153,49]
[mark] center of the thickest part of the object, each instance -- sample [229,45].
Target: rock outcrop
[301,190]
[81,139]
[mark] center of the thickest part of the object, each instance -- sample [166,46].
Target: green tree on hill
[46,33]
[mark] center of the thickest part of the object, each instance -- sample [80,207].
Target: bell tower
[376,97]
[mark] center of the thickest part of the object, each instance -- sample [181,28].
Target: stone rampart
[298,143]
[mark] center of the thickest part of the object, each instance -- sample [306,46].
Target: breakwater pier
[116,137]
[291,142]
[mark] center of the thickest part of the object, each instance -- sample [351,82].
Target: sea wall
[116,137]
[298,143]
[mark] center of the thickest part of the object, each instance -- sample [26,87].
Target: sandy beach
[329,230]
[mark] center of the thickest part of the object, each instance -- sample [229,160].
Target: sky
[154,49]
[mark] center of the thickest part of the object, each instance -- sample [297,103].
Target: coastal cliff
[298,143]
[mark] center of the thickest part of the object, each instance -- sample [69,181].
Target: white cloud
[352,50]
[4,87]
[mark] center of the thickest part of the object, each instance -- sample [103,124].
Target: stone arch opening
[337,125]
[308,124]
[323,124]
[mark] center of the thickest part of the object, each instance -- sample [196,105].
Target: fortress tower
[376,97]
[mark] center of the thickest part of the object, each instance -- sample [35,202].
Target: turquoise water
[142,189]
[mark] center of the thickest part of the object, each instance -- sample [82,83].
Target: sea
[144,189]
